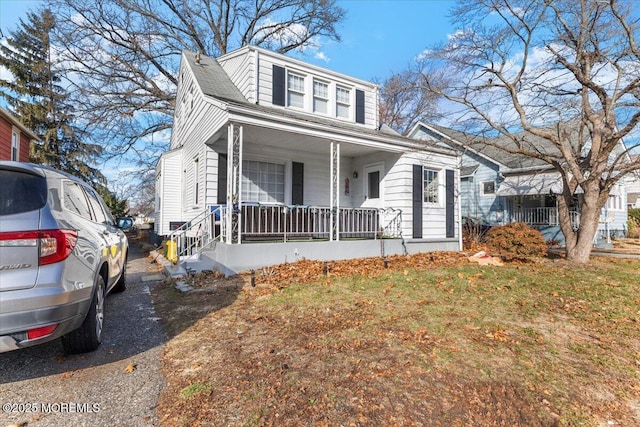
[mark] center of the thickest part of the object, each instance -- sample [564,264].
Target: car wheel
[89,335]
[121,284]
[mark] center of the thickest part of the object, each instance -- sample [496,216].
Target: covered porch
[532,199]
[275,186]
[279,186]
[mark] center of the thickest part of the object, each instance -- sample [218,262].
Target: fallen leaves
[498,335]
[306,271]
[130,368]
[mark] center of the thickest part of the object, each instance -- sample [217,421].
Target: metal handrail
[198,234]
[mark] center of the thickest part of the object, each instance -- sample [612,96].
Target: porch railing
[261,222]
[392,218]
[281,222]
[194,236]
[543,216]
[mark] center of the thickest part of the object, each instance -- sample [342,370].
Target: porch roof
[466,171]
[528,185]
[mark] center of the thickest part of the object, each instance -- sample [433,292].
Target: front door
[373,189]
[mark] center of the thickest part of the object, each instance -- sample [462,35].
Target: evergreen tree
[35,96]
[118,207]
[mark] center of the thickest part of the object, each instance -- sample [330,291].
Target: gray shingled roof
[491,147]
[212,79]
[468,170]
[215,82]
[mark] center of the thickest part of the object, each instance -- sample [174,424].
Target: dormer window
[295,90]
[343,102]
[320,97]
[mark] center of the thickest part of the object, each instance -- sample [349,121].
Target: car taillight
[54,245]
[32,334]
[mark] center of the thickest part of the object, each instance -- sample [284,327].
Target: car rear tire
[89,335]
[121,284]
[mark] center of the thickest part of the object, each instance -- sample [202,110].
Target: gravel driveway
[39,386]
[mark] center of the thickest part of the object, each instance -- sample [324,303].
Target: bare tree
[403,103]
[564,71]
[123,55]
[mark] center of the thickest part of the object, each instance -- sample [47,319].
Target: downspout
[458,202]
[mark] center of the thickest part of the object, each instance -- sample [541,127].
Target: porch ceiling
[257,135]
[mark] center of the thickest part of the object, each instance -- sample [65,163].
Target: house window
[343,102]
[488,188]
[262,182]
[614,203]
[320,97]
[15,146]
[430,186]
[295,90]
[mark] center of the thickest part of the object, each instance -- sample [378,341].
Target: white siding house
[272,160]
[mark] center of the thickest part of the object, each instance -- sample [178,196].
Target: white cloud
[423,55]
[322,56]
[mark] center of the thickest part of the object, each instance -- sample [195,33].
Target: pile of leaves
[516,241]
[306,271]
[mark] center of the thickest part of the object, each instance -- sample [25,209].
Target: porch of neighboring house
[541,212]
[273,211]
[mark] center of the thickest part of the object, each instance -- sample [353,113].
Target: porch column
[335,192]
[234,182]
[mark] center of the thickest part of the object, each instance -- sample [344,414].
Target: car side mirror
[125,223]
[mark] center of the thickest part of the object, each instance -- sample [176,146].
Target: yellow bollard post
[172,251]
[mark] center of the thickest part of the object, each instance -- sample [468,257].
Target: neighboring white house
[633,187]
[498,187]
[274,160]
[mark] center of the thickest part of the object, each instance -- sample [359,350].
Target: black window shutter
[297,183]
[222,179]
[450,204]
[278,87]
[417,201]
[359,106]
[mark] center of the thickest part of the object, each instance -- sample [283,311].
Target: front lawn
[432,340]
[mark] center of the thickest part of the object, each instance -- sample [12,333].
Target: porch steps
[170,269]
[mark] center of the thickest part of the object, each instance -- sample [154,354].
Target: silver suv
[60,255]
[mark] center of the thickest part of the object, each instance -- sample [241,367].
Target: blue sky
[378,36]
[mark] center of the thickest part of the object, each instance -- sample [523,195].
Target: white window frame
[324,98]
[284,174]
[344,103]
[434,192]
[482,188]
[15,145]
[614,202]
[295,90]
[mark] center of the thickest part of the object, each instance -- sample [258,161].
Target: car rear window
[21,192]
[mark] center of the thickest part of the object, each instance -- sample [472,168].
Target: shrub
[634,214]
[473,233]
[516,241]
[633,225]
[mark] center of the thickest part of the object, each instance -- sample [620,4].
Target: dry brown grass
[430,341]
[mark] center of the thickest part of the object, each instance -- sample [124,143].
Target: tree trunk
[579,248]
